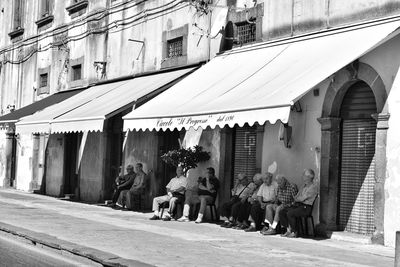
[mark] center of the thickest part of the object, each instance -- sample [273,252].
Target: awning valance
[259,82]
[87,111]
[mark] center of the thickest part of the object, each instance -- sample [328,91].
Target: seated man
[206,194]
[302,205]
[239,192]
[284,197]
[265,195]
[123,182]
[175,192]
[127,196]
[241,210]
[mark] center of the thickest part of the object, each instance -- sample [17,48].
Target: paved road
[131,236]
[15,253]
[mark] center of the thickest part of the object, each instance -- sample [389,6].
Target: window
[43,80]
[18,5]
[246,32]
[45,8]
[76,72]
[175,47]
[77,7]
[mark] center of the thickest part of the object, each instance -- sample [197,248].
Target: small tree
[186,157]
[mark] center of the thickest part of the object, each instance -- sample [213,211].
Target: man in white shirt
[175,192]
[265,195]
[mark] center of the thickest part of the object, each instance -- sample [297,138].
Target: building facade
[343,126]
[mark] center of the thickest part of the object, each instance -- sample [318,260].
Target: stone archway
[330,142]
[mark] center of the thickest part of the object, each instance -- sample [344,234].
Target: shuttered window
[245,151]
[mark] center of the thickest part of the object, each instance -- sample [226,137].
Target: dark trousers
[257,214]
[117,191]
[288,215]
[236,209]
[244,212]
[226,208]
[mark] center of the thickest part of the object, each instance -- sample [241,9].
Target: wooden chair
[303,227]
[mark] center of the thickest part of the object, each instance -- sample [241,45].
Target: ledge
[15,33]
[45,20]
[77,7]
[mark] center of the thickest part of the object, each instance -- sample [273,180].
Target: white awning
[257,83]
[88,110]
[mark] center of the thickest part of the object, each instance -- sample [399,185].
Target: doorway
[357,160]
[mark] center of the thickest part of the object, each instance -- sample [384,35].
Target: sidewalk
[125,238]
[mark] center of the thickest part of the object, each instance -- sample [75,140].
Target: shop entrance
[357,160]
[72,142]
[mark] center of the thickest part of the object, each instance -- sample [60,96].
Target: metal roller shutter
[245,151]
[357,174]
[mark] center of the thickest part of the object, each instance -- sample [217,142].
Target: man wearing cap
[206,194]
[127,196]
[284,197]
[175,192]
[302,204]
[123,182]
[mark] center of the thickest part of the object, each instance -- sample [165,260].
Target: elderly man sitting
[284,197]
[175,192]
[240,192]
[123,182]
[241,210]
[302,205]
[266,195]
[126,198]
[206,193]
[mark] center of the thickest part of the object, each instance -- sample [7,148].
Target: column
[330,149]
[380,175]
[10,159]
[33,185]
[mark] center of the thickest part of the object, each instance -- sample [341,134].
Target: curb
[102,257]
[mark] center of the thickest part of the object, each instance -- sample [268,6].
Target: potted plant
[186,157]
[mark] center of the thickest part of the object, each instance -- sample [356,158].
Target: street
[17,253]
[129,237]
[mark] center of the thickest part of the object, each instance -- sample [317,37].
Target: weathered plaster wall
[91,172]
[143,147]
[55,165]
[210,141]
[385,60]
[24,162]
[306,141]
[392,183]
[2,156]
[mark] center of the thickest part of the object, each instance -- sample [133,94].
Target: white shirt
[268,193]
[177,182]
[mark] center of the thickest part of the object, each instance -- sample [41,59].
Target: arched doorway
[331,146]
[357,161]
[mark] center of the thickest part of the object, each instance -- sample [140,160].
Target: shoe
[154,218]
[250,229]
[166,219]
[198,220]
[286,234]
[225,224]
[292,235]
[244,226]
[230,225]
[264,230]
[270,231]
[183,219]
